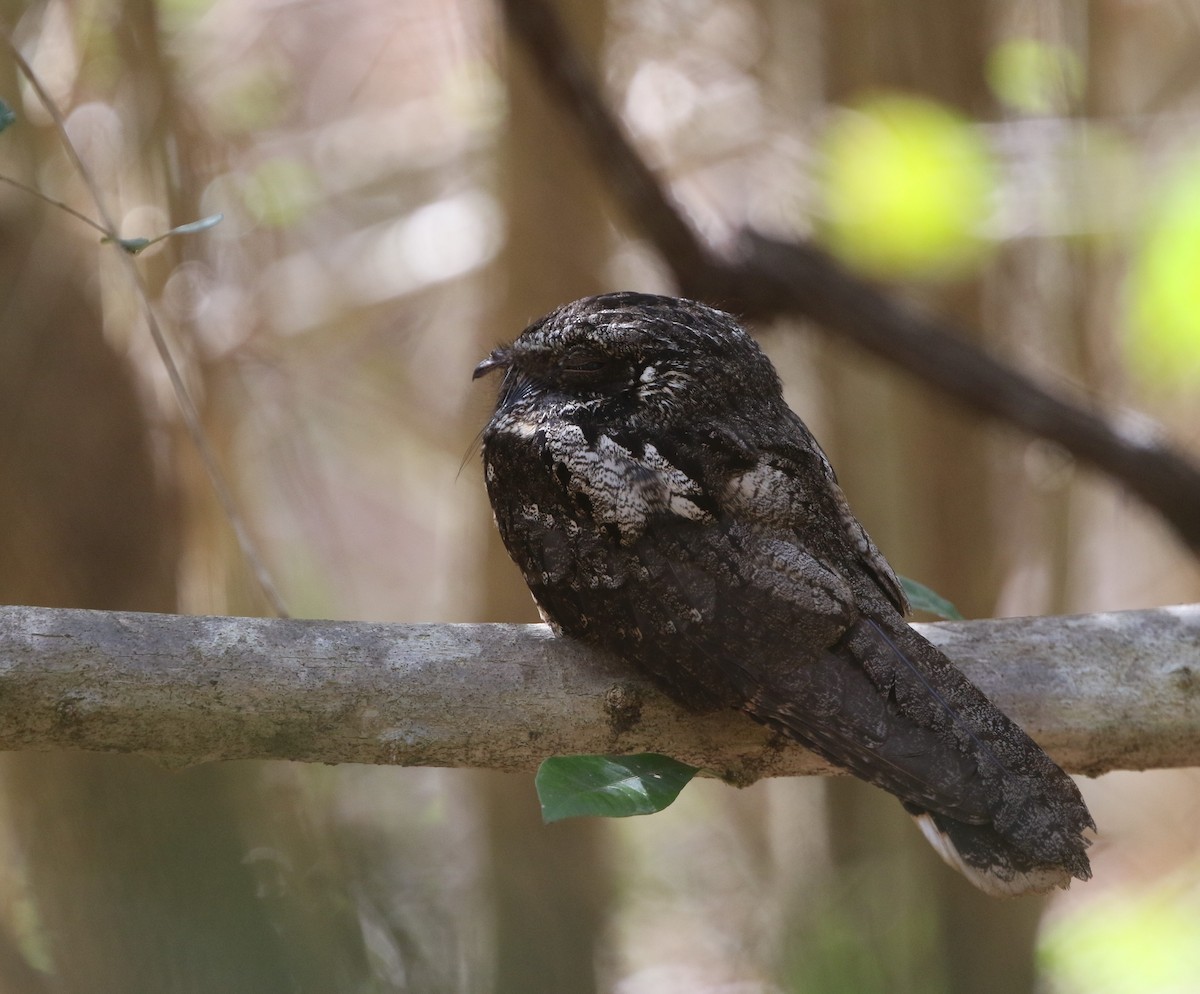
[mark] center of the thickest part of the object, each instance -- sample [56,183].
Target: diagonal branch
[765,277]
[1099,692]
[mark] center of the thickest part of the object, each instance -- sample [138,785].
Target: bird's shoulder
[780,481]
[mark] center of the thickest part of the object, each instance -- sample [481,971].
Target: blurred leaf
[135,245]
[178,15]
[906,188]
[254,97]
[281,191]
[193,226]
[609,786]
[1164,286]
[131,245]
[921,598]
[1034,76]
[7,115]
[1125,943]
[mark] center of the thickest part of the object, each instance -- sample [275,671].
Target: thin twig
[54,203]
[191,416]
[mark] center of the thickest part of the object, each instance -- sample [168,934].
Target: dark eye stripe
[583,365]
[588,370]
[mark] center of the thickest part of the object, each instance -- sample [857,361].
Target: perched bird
[664,503]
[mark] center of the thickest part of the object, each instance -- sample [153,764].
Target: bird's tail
[1038,829]
[889,707]
[993,863]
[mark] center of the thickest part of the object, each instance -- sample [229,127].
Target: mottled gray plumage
[662,501]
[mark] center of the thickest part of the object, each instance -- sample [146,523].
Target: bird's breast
[568,477]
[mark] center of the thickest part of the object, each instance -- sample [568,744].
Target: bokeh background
[398,196]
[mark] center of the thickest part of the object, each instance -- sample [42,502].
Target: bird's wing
[781,628]
[787,624]
[784,482]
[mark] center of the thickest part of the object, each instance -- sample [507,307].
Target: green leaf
[609,786]
[921,598]
[7,115]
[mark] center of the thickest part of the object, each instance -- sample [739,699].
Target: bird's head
[630,361]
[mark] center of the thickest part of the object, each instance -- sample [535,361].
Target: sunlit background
[398,196]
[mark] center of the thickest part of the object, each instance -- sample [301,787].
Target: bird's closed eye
[583,365]
[588,369]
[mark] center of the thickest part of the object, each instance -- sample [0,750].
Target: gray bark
[1099,692]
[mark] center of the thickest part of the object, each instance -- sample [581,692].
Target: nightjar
[664,503]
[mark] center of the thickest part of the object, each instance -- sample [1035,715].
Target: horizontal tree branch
[1099,692]
[762,278]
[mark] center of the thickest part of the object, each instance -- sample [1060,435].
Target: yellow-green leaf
[906,188]
[1164,286]
[1036,77]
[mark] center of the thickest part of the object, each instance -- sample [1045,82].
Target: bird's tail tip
[994,865]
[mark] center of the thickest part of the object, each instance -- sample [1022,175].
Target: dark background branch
[763,278]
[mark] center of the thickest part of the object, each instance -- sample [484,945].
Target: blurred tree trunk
[140,880]
[549,882]
[921,473]
[136,875]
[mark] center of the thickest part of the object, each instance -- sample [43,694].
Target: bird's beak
[499,359]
